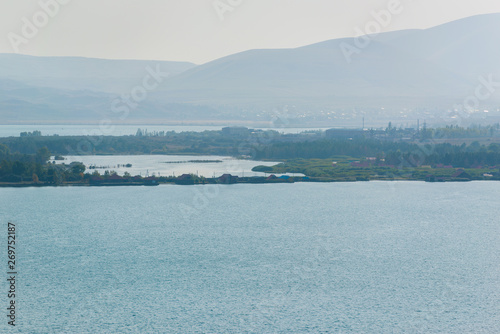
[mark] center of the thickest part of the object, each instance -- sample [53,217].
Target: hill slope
[431,68]
[441,62]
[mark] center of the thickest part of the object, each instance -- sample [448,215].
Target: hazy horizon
[201,31]
[250,166]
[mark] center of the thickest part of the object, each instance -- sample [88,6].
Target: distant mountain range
[409,69]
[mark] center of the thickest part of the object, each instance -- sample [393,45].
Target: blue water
[371,257]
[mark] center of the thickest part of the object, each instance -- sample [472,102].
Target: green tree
[42,155]
[18,168]
[4,152]
[78,168]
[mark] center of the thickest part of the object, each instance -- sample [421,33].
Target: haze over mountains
[398,71]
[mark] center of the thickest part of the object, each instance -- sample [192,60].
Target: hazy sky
[193,30]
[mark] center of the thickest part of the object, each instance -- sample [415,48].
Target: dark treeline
[262,145]
[40,156]
[19,167]
[209,142]
[35,133]
[329,148]
[16,166]
[393,153]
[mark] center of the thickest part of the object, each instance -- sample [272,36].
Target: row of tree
[18,167]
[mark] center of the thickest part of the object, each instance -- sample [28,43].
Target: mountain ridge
[407,69]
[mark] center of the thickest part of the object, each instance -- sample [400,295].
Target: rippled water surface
[371,257]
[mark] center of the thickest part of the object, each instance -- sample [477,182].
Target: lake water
[166,165]
[371,257]
[119,130]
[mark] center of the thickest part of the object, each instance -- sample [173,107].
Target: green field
[341,169]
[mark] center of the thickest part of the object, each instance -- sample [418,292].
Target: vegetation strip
[434,155]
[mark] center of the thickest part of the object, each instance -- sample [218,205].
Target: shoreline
[136,184]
